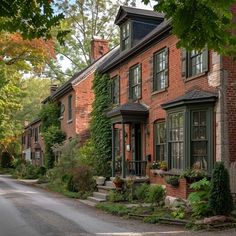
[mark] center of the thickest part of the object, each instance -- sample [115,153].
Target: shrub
[116,196]
[199,200]
[83,179]
[6,160]
[115,209]
[141,191]
[155,195]
[220,200]
[27,171]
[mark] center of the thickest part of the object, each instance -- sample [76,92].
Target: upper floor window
[135,82]
[115,90]
[160,70]
[69,107]
[36,137]
[194,62]
[160,140]
[125,36]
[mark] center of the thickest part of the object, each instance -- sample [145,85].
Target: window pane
[160,70]
[160,140]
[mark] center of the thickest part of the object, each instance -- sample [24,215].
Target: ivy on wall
[51,131]
[101,125]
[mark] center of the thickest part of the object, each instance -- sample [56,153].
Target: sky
[66,63]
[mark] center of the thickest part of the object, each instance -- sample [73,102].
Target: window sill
[69,121]
[158,91]
[61,117]
[195,77]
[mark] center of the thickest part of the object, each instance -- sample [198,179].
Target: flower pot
[100,180]
[119,185]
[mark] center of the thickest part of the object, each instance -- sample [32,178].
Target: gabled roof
[194,96]
[35,121]
[125,12]
[156,35]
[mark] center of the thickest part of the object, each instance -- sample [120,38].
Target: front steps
[101,195]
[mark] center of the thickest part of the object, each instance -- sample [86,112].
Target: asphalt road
[30,211]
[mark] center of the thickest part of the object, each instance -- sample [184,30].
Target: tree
[85,19]
[198,23]
[220,200]
[32,19]
[17,57]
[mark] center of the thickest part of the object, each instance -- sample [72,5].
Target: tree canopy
[201,22]
[32,19]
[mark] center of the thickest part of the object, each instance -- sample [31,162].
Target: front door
[136,146]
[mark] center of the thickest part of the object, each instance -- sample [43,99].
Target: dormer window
[125,36]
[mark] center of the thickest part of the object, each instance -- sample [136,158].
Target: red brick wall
[68,126]
[177,86]
[84,98]
[230,77]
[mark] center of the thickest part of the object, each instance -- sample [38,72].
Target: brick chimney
[53,88]
[99,47]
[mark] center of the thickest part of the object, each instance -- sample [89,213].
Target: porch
[131,118]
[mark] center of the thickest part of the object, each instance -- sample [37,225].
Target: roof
[125,11]
[194,96]
[129,112]
[162,30]
[37,120]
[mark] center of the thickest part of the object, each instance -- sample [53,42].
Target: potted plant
[173,181]
[118,182]
[163,165]
[100,180]
[193,175]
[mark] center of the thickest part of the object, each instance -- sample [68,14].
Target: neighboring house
[75,97]
[168,104]
[32,143]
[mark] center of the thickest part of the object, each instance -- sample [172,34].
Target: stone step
[100,195]
[87,202]
[95,199]
[109,184]
[105,189]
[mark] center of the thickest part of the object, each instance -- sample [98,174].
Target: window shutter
[154,79]
[129,86]
[184,62]
[140,80]
[167,68]
[118,88]
[205,60]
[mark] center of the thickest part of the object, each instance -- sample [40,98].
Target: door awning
[129,113]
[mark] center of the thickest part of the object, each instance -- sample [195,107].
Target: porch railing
[137,168]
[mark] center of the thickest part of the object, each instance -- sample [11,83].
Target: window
[70,107]
[199,140]
[115,90]
[194,62]
[160,70]
[62,109]
[36,134]
[135,82]
[160,141]
[117,142]
[176,140]
[125,36]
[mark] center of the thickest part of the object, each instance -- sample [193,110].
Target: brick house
[32,143]
[168,104]
[75,98]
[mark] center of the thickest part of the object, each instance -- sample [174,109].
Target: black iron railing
[137,168]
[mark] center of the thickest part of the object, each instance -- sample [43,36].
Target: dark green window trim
[160,140]
[125,36]
[176,140]
[160,70]
[135,87]
[115,90]
[69,107]
[188,135]
[194,62]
